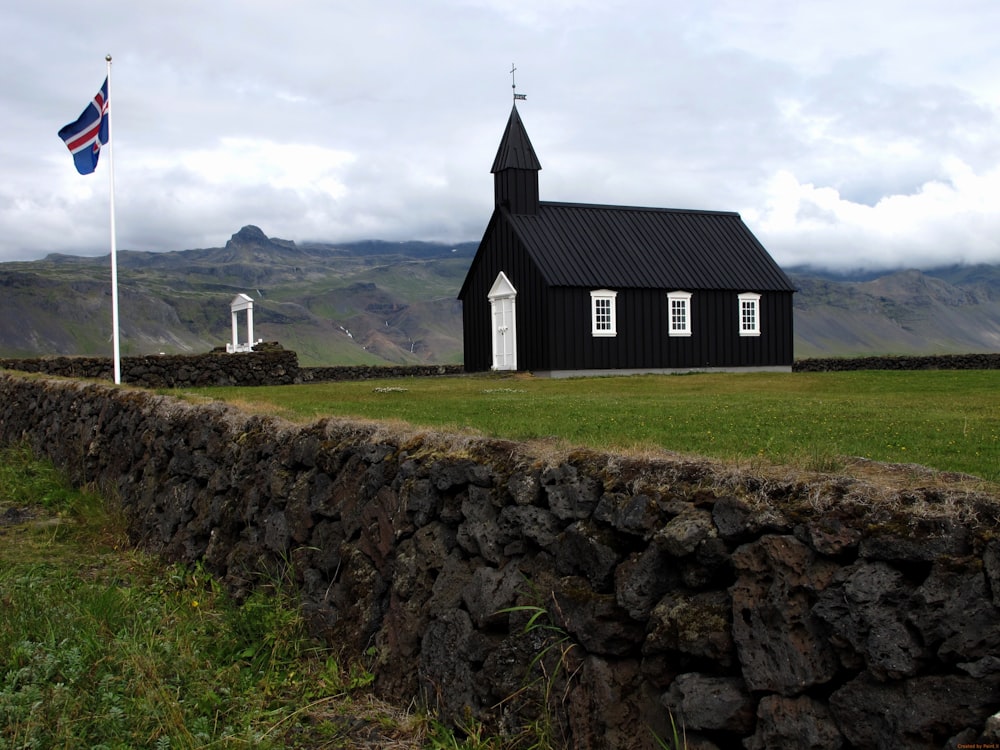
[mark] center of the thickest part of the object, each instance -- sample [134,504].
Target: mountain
[358,303]
[377,302]
[943,311]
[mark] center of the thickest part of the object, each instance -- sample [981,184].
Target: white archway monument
[240,303]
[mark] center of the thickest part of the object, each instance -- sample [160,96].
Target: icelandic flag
[85,137]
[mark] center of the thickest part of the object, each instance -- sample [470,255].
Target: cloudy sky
[848,133]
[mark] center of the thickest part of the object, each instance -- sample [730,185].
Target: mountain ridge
[375,301]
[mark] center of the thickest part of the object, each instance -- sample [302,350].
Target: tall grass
[947,420]
[104,647]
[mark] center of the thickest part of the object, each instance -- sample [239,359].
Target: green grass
[947,420]
[104,647]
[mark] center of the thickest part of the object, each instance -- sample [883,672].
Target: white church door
[503,318]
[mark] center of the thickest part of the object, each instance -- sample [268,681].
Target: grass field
[102,646]
[947,420]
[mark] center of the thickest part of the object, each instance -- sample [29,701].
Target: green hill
[377,302]
[366,302]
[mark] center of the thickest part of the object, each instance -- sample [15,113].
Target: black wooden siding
[642,341]
[517,190]
[500,251]
[554,323]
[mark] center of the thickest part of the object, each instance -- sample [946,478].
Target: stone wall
[761,610]
[268,365]
[272,365]
[374,372]
[936,362]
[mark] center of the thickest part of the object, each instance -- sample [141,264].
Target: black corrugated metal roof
[657,248]
[516,151]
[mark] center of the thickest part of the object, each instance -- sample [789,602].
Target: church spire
[515,169]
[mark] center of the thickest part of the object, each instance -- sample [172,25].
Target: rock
[694,741]
[433,545]
[642,579]
[866,606]
[954,614]
[527,523]
[447,474]
[511,670]
[709,567]
[568,495]
[682,535]
[524,488]
[490,591]
[782,646]
[379,523]
[918,713]
[699,701]
[991,567]
[585,549]
[352,488]
[401,634]
[418,560]
[444,672]
[478,533]
[298,510]
[630,514]
[450,585]
[359,598]
[276,534]
[603,708]
[697,625]
[421,500]
[991,732]
[829,536]
[919,546]
[304,450]
[801,723]
[981,669]
[732,517]
[594,620]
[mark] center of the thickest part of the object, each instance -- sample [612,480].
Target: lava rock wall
[269,364]
[597,593]
[270,367]
[984,361]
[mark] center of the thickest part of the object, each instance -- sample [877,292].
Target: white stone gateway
[242,302]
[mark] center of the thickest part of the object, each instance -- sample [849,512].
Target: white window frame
[748,314]
[683,299]
[605,302]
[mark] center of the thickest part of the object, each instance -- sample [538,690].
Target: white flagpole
[114,249]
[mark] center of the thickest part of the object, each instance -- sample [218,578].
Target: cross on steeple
[513,85]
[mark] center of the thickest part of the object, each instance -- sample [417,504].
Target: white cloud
[954,220]
[247,161]
[862,131]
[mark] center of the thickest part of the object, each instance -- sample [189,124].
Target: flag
[85,137]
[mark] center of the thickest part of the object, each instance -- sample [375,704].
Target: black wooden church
[571,289]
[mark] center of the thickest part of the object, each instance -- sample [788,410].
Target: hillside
[374,302]
[366,302]
[944,311]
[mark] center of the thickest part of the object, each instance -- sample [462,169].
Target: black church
[564,289]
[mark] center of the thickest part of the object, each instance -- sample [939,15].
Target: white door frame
[503,323]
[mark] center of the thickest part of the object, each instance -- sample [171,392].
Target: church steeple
[515,169]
